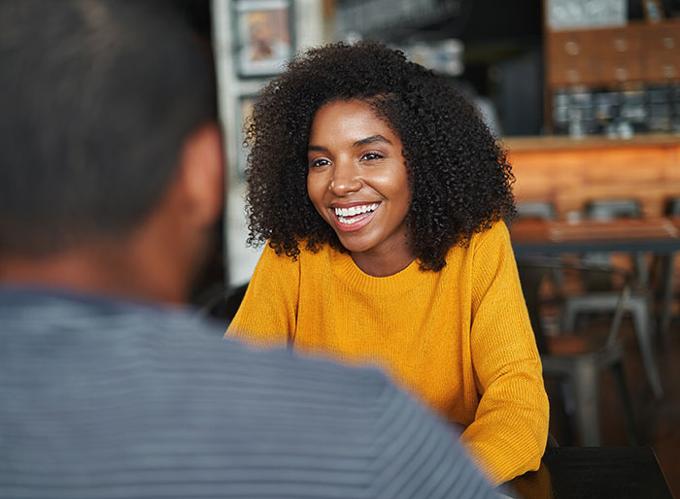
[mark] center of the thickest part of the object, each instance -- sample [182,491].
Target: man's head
[107,135]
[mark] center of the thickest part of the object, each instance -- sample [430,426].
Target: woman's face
[357,180]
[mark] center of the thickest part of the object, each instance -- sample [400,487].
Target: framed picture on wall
[264,36]
[244,110]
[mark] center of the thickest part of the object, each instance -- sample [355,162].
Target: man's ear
[202,175]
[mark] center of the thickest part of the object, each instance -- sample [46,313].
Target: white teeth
[348,221]
[355,210]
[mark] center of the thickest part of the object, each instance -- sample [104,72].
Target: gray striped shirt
[105,399]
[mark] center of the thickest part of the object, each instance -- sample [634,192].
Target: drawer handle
[669,71]
[571,48]
[668,42]
[620,45]
[621,73]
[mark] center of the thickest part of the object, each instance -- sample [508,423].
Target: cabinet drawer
[616,43]
[662,39]
[569,45]
[662,68]
[620,69]
[571,58]
[572,73]
[617,52]
[661,52]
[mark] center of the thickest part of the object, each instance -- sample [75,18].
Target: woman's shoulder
[496,234]
[484,247]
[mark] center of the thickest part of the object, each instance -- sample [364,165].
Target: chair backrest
[532,272]
[609,209]
[673,207]
[541,210]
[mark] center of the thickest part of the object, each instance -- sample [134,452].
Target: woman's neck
[382,264]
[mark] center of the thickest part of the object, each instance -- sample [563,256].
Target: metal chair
[637,305]
[604,299]
[577,360]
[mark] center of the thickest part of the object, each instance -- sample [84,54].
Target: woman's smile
[354,216]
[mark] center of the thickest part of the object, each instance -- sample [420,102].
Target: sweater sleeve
[509,433]
[268,312]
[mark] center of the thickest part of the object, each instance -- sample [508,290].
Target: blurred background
[585,97]
[575,69]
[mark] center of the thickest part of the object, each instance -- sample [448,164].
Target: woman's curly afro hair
[459,178]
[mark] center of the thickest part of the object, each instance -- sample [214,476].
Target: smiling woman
[381,196]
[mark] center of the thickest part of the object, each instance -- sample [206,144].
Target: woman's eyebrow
[361,142]
[371,140]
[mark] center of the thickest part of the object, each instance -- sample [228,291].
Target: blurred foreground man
[110,183]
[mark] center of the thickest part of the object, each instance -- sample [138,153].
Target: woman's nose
[345,179]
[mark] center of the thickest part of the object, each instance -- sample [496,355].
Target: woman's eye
[317,163]
[372,156]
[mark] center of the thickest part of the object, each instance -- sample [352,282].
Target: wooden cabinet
[611,56]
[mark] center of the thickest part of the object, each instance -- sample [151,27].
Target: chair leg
[642,319]
[668,271]
[560,391]
[624,395]
[641,269]
[566,397]
[558,278]
[586,386]
[569,315]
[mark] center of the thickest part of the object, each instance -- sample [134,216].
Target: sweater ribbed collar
[348,272]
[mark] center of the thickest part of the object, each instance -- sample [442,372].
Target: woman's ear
[202,175]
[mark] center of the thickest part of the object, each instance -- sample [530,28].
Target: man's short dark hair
[96,99]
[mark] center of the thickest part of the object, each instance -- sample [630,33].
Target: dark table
[660,236]
[594,472]
[548,237]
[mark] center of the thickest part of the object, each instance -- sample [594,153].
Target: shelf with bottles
[579,111]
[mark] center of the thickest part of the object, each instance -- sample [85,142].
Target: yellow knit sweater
[458,339]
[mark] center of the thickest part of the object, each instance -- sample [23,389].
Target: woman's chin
[353,244]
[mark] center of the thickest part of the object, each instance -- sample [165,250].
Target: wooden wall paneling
[625,166]
[671,167]
[569,177]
